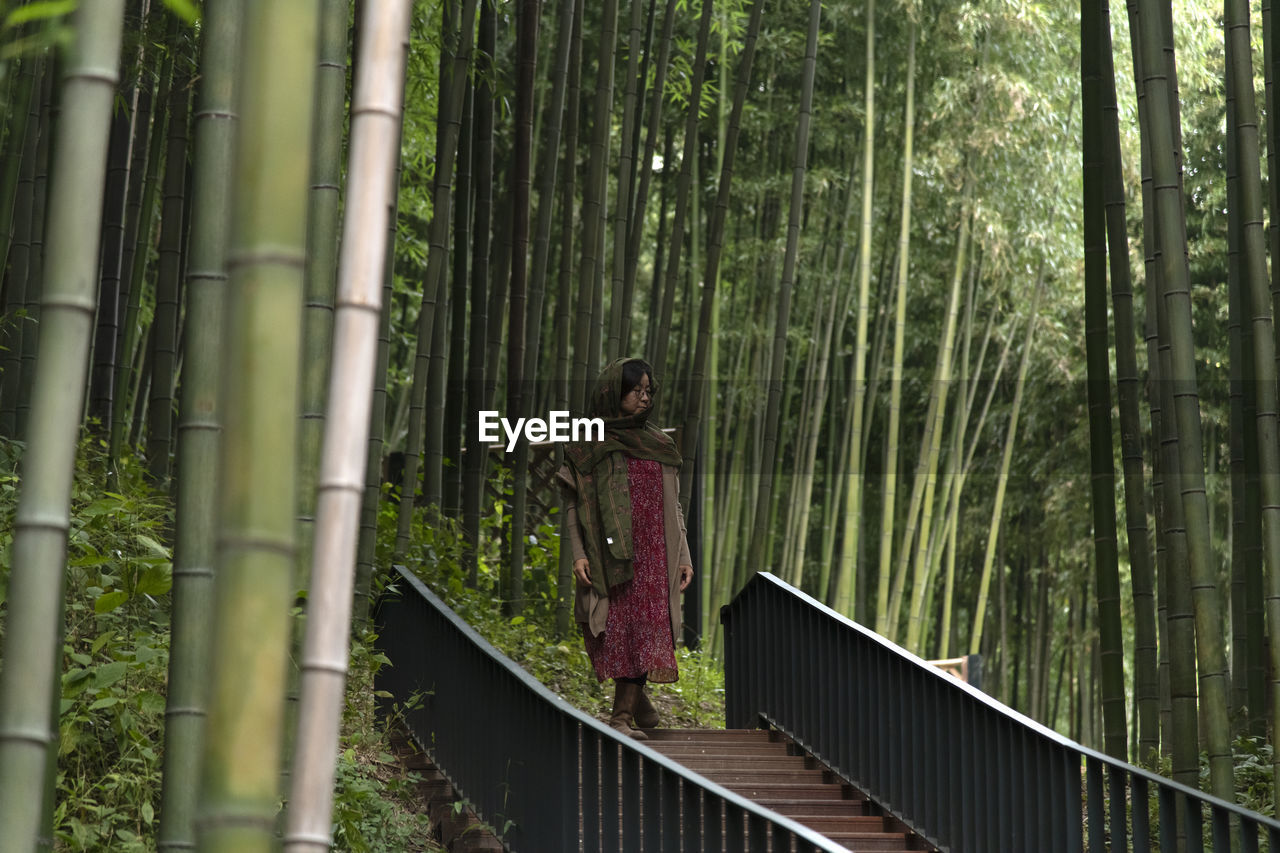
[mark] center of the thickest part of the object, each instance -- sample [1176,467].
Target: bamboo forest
[959,312]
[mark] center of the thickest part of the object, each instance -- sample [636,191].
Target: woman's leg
[626,697]
[646,715]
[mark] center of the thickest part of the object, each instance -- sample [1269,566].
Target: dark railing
[545,776]
[968,773]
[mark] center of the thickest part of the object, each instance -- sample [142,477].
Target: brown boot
[646,715]
[624,705]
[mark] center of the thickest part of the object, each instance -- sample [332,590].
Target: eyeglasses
[643,391]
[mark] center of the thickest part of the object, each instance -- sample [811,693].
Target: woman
[630,555]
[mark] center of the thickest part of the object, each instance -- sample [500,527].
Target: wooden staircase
[771,770]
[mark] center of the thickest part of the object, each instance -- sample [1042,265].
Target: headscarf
[630,434]
[599,473]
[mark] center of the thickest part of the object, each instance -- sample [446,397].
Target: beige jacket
[590,607]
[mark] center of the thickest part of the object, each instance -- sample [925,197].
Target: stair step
[827,824]
[689,749]
[755,762]
[795,807]
[713,736]
[870,841]
[748,776]
[789,790]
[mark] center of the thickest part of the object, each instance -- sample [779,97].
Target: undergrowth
[115,669]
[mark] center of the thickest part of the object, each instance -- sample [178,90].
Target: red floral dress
[637,636]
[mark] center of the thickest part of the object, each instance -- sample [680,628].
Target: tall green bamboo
[883,616]
[638,218]
[1189,476]
[661,329]
[323,231]
[438,370]
[375,143]
[518,323]
[565,395]
[1002,481]
[586,346]
[847,576]
[548,162]
[760,529]
[1271,62]
[1258,310]
[131,335]
[261,351]
[1102,474]
[433,286]
[20,261]
[50,107]
[478,379]
[366,552]
[199,425]
[1129,391]
[922,578]
[102,370]
[18,119]
[1242,538]
[715,245]
[620,297]
[32,643]
[164,323]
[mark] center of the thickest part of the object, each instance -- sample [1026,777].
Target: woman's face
[639,398]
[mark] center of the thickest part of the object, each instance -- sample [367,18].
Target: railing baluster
[1115,792]
[691,818]
[568,779]
[651,799]
[1221,823]
[775,838]
[631,804]
[712,824]
[1041,794]
[1168,817]
[610,796]
[591,790]
[1002,785]
[1248,836]
[1140,796]
[1096,804]
[735,840]
[1195,826]
[960,782]
[671,821]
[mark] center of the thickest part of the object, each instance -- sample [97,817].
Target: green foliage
[376,806]
[115,666]
[115,653]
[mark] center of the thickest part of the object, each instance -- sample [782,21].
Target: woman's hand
[582,571]
[686,577]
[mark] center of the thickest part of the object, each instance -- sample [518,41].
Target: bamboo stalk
[32,643]
[261,353]
[375,143]
[984,582]
[199,426]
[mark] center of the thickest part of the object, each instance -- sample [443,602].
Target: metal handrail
[523,757]
[965,771]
